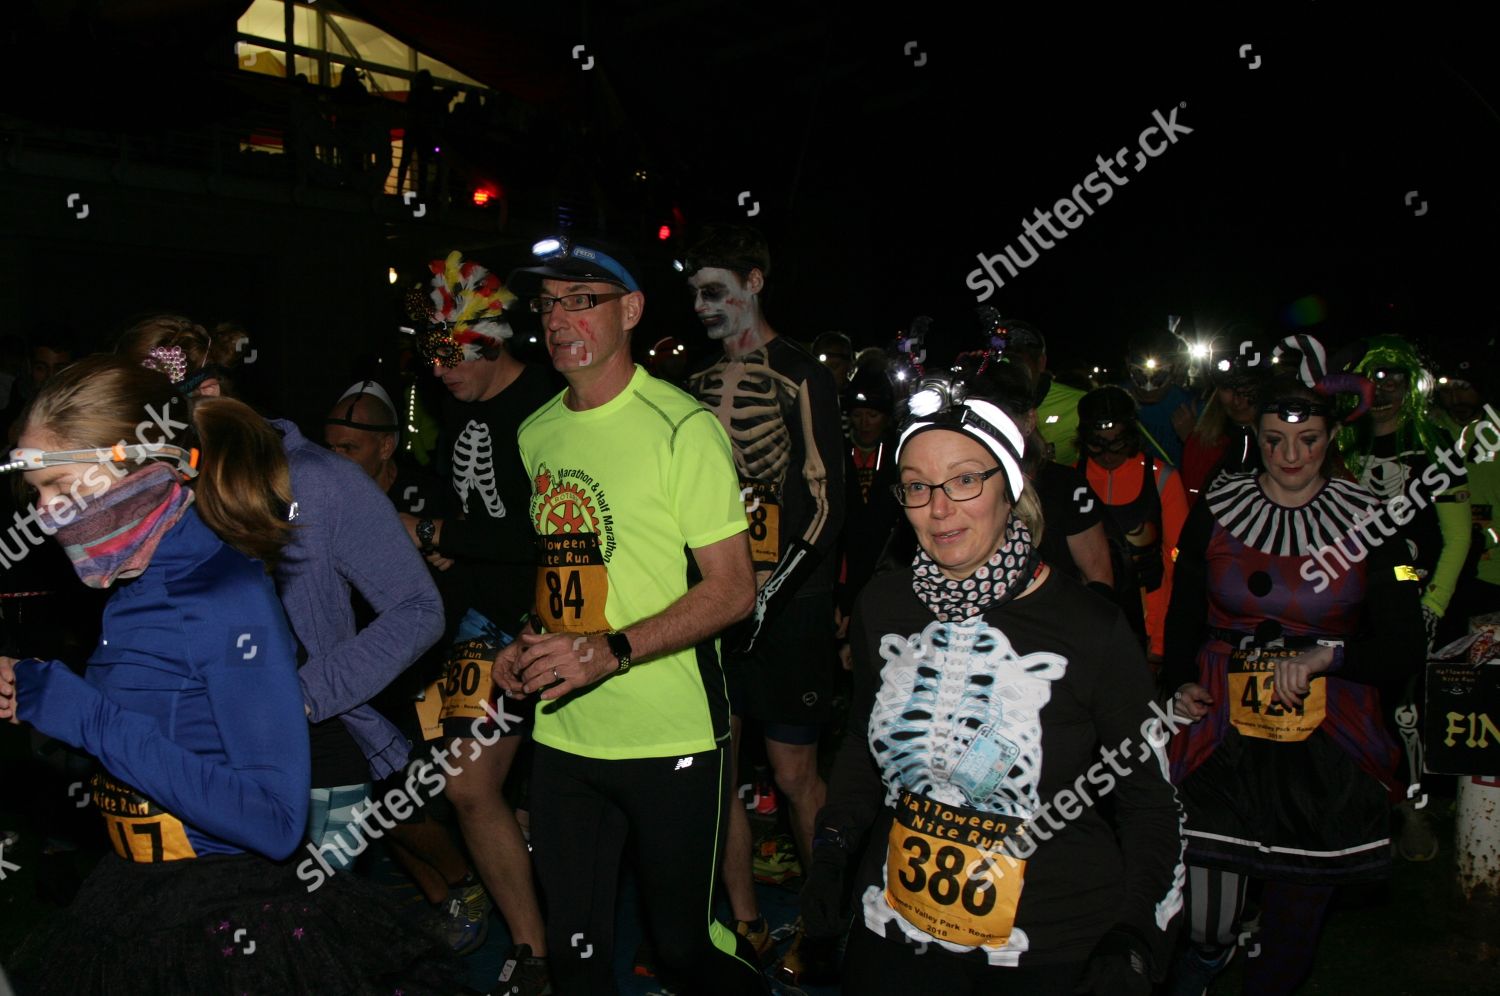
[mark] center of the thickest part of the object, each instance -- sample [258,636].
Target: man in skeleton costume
[490,549]
[780,408]
[1401,455]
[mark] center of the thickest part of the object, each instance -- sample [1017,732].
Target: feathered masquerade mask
[462,318]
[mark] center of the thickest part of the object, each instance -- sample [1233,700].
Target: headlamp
[561,247]
[28,458]
[1296,410]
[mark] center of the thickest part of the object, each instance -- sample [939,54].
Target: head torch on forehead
[941,403]
[561,248]
[23,459]
[1150,372]
[1296,410]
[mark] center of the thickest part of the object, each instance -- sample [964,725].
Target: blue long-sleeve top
[191,698]
[347,533]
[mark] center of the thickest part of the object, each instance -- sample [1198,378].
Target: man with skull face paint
[1144,498]
[780,408]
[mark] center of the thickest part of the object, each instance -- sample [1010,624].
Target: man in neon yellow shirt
[1057,403]
[644,558]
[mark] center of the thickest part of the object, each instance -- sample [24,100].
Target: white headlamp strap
[987,425]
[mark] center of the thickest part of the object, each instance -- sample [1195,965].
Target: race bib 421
[1253,707]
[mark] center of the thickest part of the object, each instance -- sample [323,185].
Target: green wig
[1415,426]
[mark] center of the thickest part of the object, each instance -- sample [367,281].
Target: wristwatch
[425,530]
[619,645]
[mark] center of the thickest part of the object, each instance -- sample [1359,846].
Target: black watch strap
[619,645]
[425,530]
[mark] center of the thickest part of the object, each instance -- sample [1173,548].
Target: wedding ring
[555,675]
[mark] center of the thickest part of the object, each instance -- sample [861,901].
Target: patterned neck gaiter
[113,536]
[1004,577]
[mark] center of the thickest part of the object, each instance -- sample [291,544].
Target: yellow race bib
[1253,707]
[465,685]
[139,829]
[946,872]
[572,585]
[765,522]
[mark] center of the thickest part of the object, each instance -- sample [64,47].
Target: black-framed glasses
[964,487]
[542,304]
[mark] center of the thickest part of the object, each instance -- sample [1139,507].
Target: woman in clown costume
[1283,622]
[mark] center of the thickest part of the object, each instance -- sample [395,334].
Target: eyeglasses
[542,304]
[1123,443]
[964,487]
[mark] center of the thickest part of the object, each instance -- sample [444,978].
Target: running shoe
[775,860]
[1415,841]
[523,975]
[809,961]
[645,959]
[758,934]
[467,920]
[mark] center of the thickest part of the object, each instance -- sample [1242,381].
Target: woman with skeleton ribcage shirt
[996,702]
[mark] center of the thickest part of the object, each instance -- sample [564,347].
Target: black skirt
[238,925]
[1299,812]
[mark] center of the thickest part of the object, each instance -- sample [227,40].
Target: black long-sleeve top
[1095,736]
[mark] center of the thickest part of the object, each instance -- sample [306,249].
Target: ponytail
[244,486]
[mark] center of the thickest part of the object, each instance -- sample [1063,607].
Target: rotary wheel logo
[567,510]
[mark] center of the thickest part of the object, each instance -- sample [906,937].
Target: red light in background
[482,196]
[664,232]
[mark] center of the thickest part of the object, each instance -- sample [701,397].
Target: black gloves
[822,899]
[1120,965]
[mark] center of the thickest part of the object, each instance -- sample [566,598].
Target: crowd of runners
[1063,682]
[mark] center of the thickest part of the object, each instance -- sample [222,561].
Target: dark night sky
[881,181]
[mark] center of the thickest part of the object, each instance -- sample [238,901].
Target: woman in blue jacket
[190,703]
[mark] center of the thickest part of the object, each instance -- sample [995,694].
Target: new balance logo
[683,762]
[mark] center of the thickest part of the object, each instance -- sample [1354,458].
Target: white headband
[980,421]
